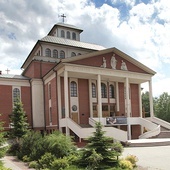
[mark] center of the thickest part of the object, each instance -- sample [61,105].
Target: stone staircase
[163,139]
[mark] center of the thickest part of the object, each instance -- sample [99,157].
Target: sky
[139,28]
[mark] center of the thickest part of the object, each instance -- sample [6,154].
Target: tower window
[62,54]
[73,54]
[68,34]
[55,53]
[103,90]
[73,89]
[62,34]
[47,52]
[74,36]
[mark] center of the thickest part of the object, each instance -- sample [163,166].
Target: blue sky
[139,28]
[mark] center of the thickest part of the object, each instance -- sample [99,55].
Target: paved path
[14,164]
[151,158]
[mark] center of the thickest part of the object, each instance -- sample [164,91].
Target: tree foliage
[18,120]
[162,107]
[100,151]
[2,140]
[146,104]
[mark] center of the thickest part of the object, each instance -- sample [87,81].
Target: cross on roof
[7,70]
[63,16]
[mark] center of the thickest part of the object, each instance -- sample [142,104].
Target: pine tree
[100,150]
[2,140]
[18,120]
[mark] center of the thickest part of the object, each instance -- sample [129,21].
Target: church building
[69,85]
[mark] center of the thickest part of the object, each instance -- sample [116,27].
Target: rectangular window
[50,114]
[49,91]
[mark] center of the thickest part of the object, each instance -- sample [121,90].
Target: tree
[146,104]
[100,151]
[18,121]
[162,107]
[2,140]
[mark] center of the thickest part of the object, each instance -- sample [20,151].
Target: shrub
[46,160]
[59,144]
[34,164]
[133,159]
[125,164]
[59,164]
[31,145]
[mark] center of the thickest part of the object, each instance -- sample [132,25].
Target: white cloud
[144,34]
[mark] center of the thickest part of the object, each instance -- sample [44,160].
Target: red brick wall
[38,69]
[84,108]
[135,100]
[136,131]
[26,100]
[97,61]
[121,99]
[5,103]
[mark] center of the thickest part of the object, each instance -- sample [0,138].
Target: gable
[112,61]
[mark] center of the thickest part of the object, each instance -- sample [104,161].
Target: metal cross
[7,70]
[63,16]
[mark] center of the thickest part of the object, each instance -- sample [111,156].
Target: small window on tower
[62,34]
[68,34]
[55,53]
[47,52]
[62,54]
[74,36]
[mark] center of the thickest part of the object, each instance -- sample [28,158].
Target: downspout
[31,104]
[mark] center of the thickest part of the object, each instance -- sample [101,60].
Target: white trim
[14,82]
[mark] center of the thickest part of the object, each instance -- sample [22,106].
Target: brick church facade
[68,85]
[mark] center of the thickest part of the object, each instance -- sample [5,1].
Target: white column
[99,96]
[66,99]
[127,97]
[128,108]
[59,99]
[117,97]
[90,99]
[140,100]
[151,99]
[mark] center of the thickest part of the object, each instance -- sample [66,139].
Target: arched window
[62,54]
[73,54]
[55,53]
[68,34]
[73,89]
[47,52]
[111,91]
[93,90]
[62,34]
[16,94]
[74,36]
[104,90]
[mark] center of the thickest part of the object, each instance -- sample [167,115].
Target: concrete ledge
[148,142]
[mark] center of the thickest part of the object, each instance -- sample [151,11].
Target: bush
[46,160]
[59,164]
[125,164]
[31,145]
[34,164]
[59,145]
[133,159]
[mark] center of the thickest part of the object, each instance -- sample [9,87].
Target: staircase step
[149,142]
